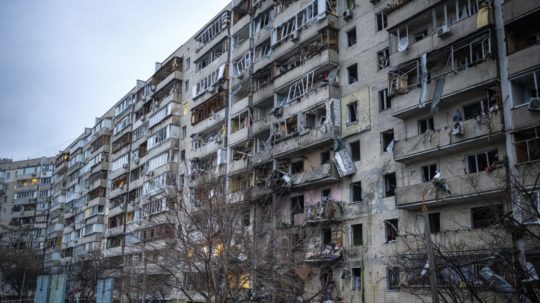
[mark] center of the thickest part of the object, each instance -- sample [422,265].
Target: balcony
[238,25]
[407,10]
[97,201]
[325,57]
[527,174]
[263,93]
[523,118]
[259,126]
[524,59]
[210,122]
[442,143]
[479,75]
[208,148]
[239,106]
[169,71]
[325,212]
[325,254]
[237,166]
[517,8]
[477,186]
[311,139]
[260,191]
[239,136]
[320,175]
[237,196]
[432,42]
[97,183]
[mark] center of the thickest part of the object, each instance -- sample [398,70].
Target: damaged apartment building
[346,118]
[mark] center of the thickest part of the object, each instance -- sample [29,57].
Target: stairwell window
[392,278]
[382,23]
[383,58]
[351,37]
[385,102]
[352,112]
[352,73]
[354,148]
[356,279]
[391,230]
[357,235]
[356,192]
[390,185]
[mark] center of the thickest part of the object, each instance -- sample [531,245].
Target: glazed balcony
[442,143]
[405,105]
[168,72]
[209,122]
[524,59]
[478,186]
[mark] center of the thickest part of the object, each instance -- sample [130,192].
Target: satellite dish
[403,43]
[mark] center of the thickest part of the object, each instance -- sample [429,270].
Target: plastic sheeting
[423,80]
[437,94]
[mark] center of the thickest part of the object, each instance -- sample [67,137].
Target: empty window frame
[352,112]
[356,192]
[526,88]
[383,58]
[357,236]
[434,222]
[356,279]
[390,185]
[354,148]
[477,109]
[325,157]
[527,145]
[391,229]
[385,102]
[297,206]
[425,124]
[480,161]
[392,278]
[387,140]
[382,23]
[485,216]
[352,73]
[351,37]
[326,235]
[297,166]
[428,172]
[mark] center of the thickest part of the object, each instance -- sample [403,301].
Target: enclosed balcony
[167,72]
[482,186]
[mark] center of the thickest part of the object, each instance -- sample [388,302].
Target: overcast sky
[63,63]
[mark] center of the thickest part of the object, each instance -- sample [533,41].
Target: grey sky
[63,63]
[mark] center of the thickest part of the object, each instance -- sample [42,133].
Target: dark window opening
[357,236]
[434,222]
[383,58]
[326,236]
[485,216]
[385,101]
[392,278]
[481,161]
[425,124]
[297,167]
[351,37]
[356,192]
[390,184]
[325,157]
[387,138]
[325,194]
[355,150]
[352,112]
[382,23]
[356,279]
[352,72]
[391,230]
[428,172]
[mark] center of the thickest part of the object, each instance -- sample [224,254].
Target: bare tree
[500,261]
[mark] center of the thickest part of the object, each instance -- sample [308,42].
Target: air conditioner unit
[295,36]
[443,31]
[125,165]
[347,14]
[457,129]
[534,104]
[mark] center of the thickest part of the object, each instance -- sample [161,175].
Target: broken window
[263,19]
[382,23]
[212,30]
[481,161]
[391,230]
[485,216]
[390,185]
[428,172]
[387,140]
[356,192]
[357,235]
[325,157]
[356,279]
[352,73]
[354,147]
[315,118]
[527,145]
[385,101]
[326,236]
[297,206]
[240,121]
[351,37]
[383,58]
[208,108]
[297,166]
[425,124]
[352,112]
[241,66]
[525,88]
[476,110]
[434,222]
[188,63]
[392,278]
[325,194]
